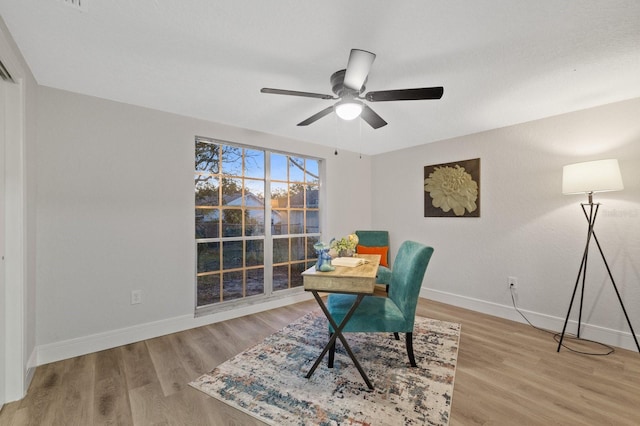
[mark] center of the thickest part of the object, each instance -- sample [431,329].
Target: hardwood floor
[508,374]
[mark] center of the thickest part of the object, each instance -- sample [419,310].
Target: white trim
[15,263]
[31,368]
[593,332]
[3,309]
[65,349]
[110,339]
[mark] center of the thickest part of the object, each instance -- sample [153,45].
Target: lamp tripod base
[591,218]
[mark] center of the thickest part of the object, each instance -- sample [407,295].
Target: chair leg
[332,352]
[409,341]
[396,335]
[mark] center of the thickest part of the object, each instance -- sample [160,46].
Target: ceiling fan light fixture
[348,109]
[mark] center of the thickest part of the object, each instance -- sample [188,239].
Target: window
[240,253]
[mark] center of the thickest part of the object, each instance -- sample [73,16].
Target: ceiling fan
[348,85]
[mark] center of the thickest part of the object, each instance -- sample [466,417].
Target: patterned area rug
[268,380]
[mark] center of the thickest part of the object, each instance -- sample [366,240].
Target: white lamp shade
[591,176]
[348,110]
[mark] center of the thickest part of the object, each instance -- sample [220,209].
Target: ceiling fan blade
[316,117]
[358,68]
[372,118]
[405,94]
[295,93]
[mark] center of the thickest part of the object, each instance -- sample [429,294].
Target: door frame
[14,263]
[3,319]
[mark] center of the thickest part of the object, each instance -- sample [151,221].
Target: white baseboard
[57,351]
[592,332]
[110,339]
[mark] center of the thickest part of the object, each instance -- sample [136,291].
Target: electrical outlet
[513,282]
[136,297]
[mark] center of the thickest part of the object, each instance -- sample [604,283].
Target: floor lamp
[588,178]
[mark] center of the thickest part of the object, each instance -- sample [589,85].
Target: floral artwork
[452,189]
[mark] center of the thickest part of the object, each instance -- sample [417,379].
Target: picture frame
[452,189]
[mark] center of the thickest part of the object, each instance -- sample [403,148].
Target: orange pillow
[382,251]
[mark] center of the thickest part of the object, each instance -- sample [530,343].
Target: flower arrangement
[345,246]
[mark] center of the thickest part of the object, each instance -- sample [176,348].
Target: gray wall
[527,228]
[115,213]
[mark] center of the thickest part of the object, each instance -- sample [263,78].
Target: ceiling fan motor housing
[337,85]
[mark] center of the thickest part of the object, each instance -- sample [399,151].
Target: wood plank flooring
[508,374]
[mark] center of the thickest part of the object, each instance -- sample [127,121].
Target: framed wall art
[452,189]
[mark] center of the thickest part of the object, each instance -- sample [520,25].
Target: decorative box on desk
[344,279]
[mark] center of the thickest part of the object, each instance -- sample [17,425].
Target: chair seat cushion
[374,314]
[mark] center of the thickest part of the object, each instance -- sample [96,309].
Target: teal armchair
[374,242]
[395,313]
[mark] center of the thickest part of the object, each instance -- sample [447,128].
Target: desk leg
[338,334]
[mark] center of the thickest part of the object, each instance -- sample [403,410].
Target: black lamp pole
[591,218]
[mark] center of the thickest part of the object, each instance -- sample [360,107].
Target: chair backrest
[409,268]
[374,239]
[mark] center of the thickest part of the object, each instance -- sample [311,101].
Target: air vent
[80,5]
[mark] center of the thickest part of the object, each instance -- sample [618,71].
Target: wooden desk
[359,280]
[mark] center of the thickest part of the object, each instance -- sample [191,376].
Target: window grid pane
[231,216]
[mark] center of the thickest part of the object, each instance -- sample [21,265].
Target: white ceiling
[501,62]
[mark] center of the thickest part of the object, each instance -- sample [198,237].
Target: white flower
[452,188]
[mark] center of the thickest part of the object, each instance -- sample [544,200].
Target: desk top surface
[344,279]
